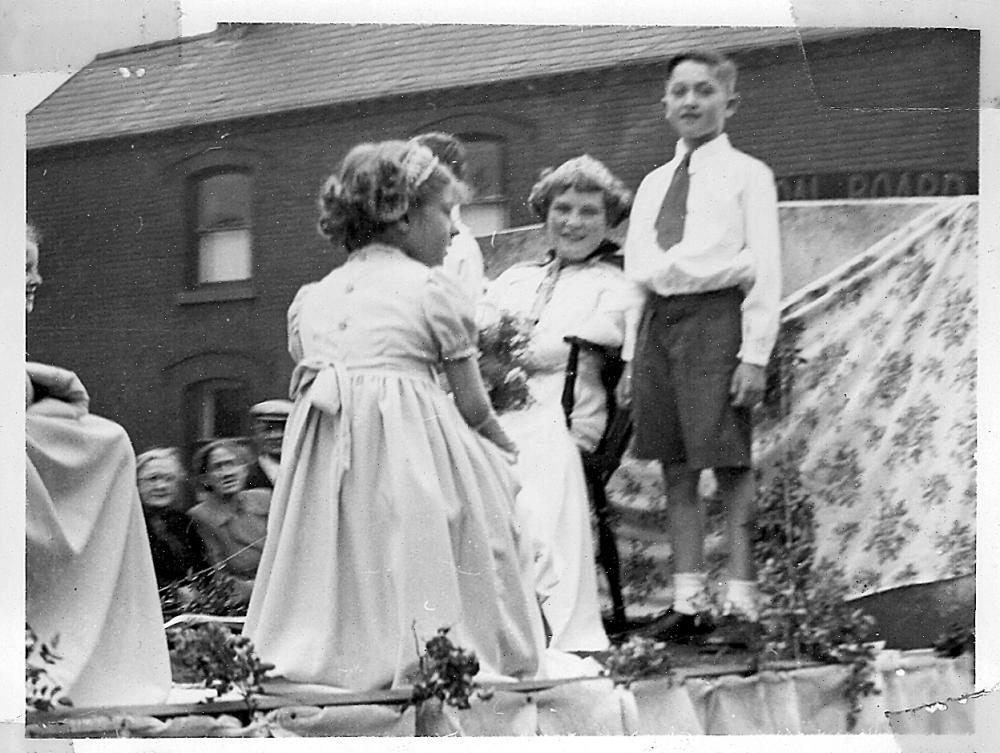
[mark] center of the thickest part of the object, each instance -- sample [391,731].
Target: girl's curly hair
[583,173]
[376,186]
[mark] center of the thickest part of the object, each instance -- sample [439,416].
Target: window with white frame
[222,226]
[487,211]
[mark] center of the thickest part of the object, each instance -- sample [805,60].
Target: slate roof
[246,70]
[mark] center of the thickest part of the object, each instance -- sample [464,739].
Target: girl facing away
[393,514]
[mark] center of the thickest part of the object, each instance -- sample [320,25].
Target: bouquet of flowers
[503,358]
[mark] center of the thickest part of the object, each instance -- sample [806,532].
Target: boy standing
[703,243]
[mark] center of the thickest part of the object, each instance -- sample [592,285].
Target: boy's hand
[747,387]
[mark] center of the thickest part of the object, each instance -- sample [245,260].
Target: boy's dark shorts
[685,358]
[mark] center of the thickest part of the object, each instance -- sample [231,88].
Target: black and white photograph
[552,372]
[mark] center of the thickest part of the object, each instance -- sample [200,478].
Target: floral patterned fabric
[876,408]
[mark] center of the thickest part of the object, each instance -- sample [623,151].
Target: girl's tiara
[418,164]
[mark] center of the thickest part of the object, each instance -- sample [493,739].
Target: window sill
[216,292]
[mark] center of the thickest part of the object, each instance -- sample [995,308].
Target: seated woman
[176,547]
[88,572]
[231,519]
[577,290]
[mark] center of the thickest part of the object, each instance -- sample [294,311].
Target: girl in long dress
[577,290]
[393,512]
[89,577]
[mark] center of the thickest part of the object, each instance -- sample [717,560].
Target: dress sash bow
[323,384]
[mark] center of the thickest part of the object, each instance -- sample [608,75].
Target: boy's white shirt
[731,238]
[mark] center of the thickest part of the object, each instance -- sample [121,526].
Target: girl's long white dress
[589,300]
[89,576]
[391,518]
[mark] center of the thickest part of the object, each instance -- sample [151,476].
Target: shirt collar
[706,151]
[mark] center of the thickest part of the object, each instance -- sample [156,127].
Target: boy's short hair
[722,66]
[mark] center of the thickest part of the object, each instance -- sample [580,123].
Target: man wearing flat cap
[267,425]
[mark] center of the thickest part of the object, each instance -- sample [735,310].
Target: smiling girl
[580,290]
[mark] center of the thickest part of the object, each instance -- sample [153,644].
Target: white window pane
[485,218]
[224,255]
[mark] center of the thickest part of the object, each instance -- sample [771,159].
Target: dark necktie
[670,220]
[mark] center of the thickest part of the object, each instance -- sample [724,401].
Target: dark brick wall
[113,214]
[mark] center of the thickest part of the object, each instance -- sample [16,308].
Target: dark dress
[176,546]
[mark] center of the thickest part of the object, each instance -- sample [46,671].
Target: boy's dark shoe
[736,632]
[678,627]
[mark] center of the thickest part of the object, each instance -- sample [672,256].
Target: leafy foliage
[636,658]
[41,691]
[786,362]
[503,362]
[804,614]
[210,591]
[222,660]
[955,641]
[446,673]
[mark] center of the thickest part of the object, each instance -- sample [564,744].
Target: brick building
[175,183]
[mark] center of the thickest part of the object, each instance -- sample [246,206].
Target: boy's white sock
[742,599]
[690,592]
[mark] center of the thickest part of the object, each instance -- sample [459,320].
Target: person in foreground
[393,512]
[579,290]
[89,576]
[703,242]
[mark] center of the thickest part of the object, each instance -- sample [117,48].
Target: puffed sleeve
[450,314]
[607,323]
[294,340]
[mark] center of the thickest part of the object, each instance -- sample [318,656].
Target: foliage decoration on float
[636,658]
[955,641]
[218,658]
[209,591]
[447,673]
[805,615]
[41,691]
